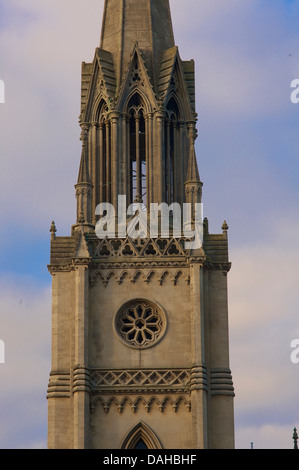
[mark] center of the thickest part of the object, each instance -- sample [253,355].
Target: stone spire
[146,22]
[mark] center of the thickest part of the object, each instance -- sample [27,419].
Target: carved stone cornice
[146,275]
[148,402]
[71,266]
[201,259]
[225,267]
[54,269]
[81,262]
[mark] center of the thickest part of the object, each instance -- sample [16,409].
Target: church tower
[140,349]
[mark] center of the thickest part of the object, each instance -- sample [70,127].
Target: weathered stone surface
[140,344]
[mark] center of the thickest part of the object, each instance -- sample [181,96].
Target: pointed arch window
[141,437]
[171,122]
[140,445]
[137,140]
[105,146]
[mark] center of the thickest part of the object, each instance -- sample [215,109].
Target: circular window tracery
[140,324]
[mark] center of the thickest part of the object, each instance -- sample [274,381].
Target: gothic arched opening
[137,141]
[141,437]
[105,146]
[171,122]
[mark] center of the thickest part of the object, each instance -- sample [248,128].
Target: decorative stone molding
[138,264]
[225,267]
[81,379]
[146,276]
[81,262]
[54,269]
[146,402]
[82,190]
[221,382]
[142,378]
[136,78]
[199,378]
[84,131]
[149,247]
[59,384]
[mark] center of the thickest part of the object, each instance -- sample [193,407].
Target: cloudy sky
[247,54]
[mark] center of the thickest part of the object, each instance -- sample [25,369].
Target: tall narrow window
[105,152]
[170,142]
[137,151]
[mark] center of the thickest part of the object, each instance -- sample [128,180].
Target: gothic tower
[140,350]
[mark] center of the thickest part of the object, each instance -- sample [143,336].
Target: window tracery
[140,324]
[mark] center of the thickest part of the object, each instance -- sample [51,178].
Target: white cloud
[25,328]
[242,69]
[243,75]
[242,52]
[40,147]
[265,437]
[264,301]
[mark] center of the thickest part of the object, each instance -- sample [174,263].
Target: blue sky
[246,54]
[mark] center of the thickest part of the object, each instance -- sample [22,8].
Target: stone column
[94,169]
[102,166]
[159,173]
[149,133]
[124,157]
[59,388]
[199,384]
[138,163]
[176,174]
[222,390]
[114,119]
[108,163]
[81,385]
[168,163]
[128,161]
[181,167]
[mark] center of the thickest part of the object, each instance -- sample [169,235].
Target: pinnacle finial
[83,176]
[225,227]
[53,230]
[295,438]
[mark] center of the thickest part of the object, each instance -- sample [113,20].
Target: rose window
[140,324]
